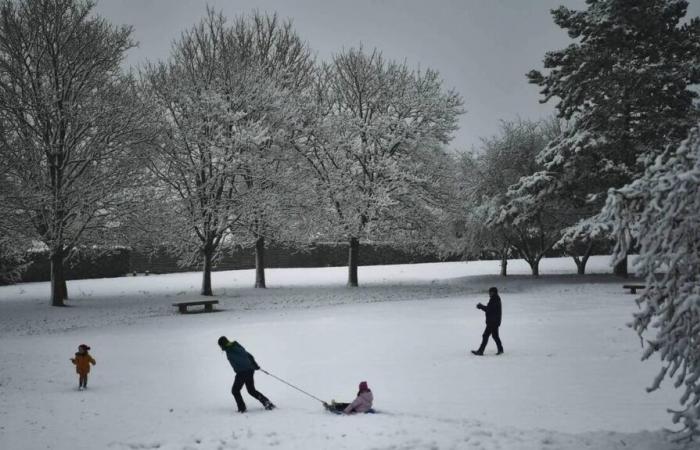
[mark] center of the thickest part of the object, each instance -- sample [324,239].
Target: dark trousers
[491,330]
[246,378]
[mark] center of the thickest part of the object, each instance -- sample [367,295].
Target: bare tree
[192,160]
[374,120]
[475,186]
[71,125]
[506,218]
[221,95]
[271,46]
[531,223]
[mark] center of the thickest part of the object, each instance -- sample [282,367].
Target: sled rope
[291,385]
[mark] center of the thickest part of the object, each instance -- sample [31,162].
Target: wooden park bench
[633,287]
[208,305]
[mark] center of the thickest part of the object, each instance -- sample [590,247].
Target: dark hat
[223,340]
[363,386]
[87,347]
[493,290]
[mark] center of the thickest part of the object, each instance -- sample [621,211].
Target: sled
[338,408]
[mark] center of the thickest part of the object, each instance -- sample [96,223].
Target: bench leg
[208,307]
[182,308]
[634,290]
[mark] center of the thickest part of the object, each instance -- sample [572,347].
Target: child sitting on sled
[361,404]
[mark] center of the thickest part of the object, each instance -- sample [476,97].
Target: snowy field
[570,378]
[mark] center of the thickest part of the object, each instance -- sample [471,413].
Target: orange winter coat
[82,363]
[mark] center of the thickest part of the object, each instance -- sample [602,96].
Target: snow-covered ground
[571,377]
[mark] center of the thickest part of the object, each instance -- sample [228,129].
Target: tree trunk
[260,262]
[581,263]
[583,260]
[535,267]
[207,254]
[59,290]
[353,255]
[504,264]
[620,268]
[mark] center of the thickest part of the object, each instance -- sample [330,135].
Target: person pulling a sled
[244,366]
[361,404]
[493,321]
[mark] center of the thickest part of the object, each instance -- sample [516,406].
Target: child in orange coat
[82,363]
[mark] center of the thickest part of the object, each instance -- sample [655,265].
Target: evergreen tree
[661,211]
[625,82]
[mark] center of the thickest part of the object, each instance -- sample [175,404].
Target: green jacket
[239,358]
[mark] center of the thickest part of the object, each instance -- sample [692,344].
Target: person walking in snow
[82,361]
[361,404]
[493,321]
[244,366]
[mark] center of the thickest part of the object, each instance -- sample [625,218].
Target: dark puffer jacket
[239,358]
[493,311]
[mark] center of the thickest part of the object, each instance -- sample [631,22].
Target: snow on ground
[571,377]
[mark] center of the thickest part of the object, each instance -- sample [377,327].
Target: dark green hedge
[279,256]
[107,263]
[88,263]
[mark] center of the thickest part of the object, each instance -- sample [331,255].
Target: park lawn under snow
[571,377]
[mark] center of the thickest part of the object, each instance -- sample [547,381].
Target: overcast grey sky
[482,48]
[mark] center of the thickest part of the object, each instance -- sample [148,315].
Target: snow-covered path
[570,379]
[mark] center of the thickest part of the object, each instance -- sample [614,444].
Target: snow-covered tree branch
[624,83]
[661,211]
[376,123]
[226,117]
[71,125]
[503,204]
[271,46]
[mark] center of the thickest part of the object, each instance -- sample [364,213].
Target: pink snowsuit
[361,404]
